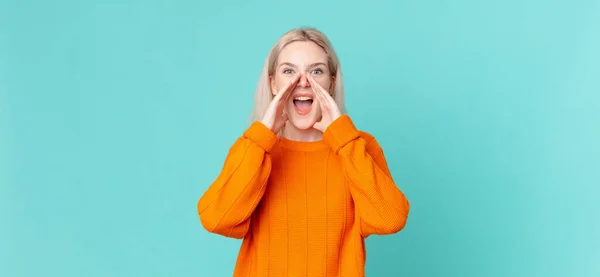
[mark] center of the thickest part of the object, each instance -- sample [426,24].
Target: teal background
[115,116]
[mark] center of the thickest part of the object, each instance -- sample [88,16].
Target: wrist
[267,125]
[340,132]
[261,135]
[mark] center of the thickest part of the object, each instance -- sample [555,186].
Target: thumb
[284,118]
[280,121]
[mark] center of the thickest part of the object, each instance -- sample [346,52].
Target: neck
[309,135]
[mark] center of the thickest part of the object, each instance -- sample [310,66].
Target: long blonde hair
[263,95]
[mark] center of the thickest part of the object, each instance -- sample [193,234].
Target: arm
[381,207]
[226,206]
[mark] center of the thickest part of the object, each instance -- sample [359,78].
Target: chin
[302,123]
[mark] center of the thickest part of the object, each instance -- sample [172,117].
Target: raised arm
[381,206]
[226,206]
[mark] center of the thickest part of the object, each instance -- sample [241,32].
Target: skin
[302,69]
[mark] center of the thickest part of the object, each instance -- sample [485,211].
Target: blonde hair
[263,95]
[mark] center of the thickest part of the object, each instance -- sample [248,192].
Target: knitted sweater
[303,209]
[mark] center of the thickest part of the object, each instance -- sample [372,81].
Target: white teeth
[302,98]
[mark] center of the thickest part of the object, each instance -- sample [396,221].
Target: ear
[272,83]
[332,85]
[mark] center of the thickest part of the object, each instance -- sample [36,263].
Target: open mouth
[303,104]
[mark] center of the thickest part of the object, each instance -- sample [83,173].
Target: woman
[302,186]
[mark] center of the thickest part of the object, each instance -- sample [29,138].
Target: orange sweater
[303,208]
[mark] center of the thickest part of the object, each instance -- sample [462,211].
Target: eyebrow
[293,65]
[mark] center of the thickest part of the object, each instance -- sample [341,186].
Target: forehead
[302,52]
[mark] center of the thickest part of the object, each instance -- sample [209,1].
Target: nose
[303,82]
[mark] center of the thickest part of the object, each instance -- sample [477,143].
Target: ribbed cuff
[340,132]
[261,135]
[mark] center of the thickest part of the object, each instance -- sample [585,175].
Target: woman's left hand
[329,108]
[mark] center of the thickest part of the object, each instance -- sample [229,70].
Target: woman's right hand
[274,118]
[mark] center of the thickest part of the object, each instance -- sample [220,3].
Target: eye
[288,71]
[317,71]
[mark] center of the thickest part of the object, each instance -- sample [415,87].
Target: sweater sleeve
[381,206]
[226,206]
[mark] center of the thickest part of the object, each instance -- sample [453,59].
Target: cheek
[282,80]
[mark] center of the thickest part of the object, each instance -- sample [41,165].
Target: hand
[329,109]
[274,117]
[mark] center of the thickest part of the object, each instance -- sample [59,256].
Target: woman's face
[302,58]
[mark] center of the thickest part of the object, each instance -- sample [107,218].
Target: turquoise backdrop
[115,116]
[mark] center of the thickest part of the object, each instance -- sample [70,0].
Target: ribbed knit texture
[303,209]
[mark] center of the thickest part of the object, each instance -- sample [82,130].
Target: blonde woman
[302,185]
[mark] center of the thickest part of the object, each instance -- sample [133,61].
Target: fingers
[280,121]
[329,106]
[324,92]
[285,92]
[314,86]
[319,92]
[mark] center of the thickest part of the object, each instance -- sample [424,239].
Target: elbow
[216,222]
[401,218]
[396,222]
[215,225]
[208,222]
[396,225]
[392,226]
